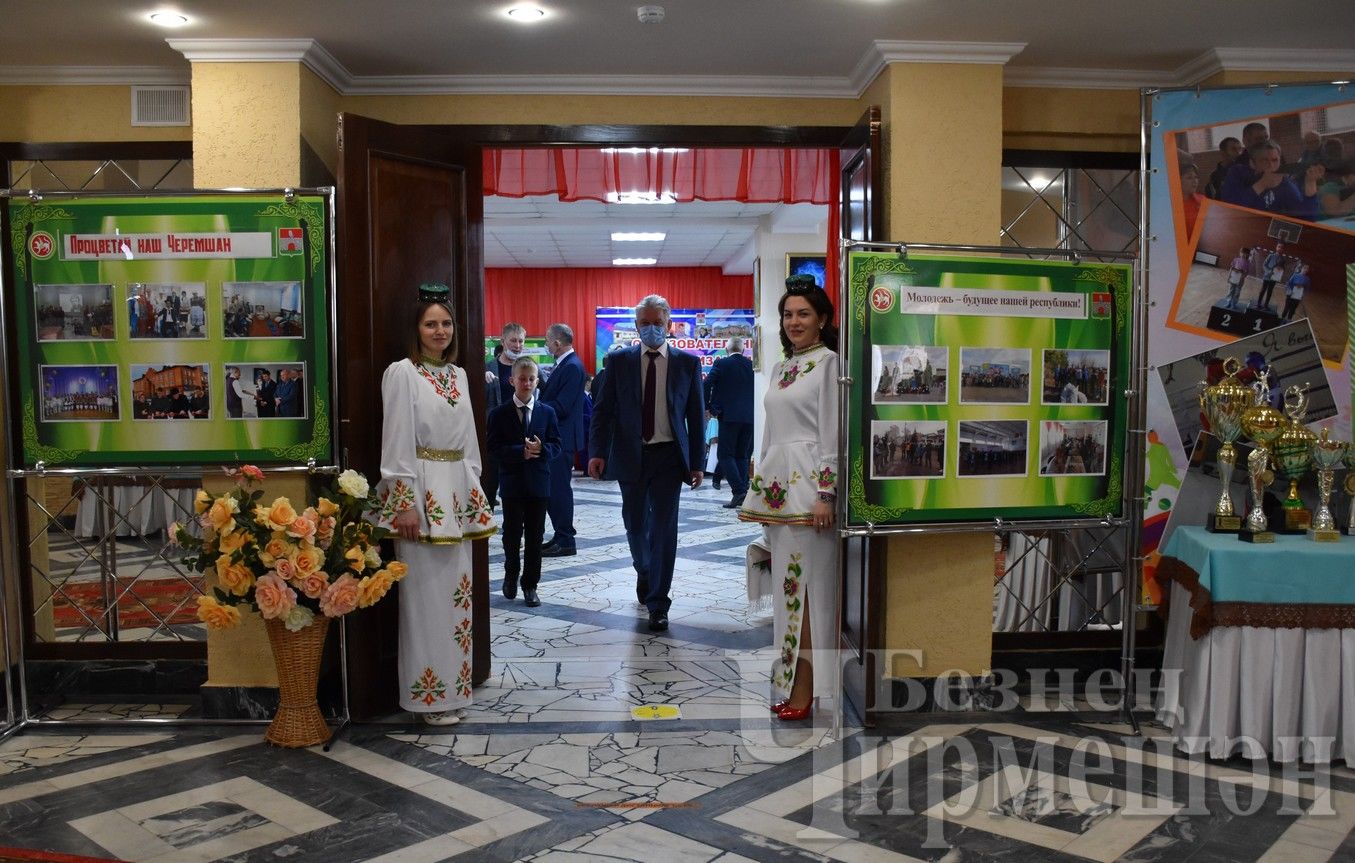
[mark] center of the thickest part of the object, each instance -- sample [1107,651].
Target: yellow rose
[397,569]
[216,615]
[221,514]
[235,578]
[325,506]
[308,559]
[281,514]
[356,557]
[233,542]
[373,587]
[201,500]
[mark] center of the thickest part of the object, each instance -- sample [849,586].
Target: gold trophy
[1349,529]
[1328,455]
[1223,404]
[1262,424]
[1293,456]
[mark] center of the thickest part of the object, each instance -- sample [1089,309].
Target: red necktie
[651,387]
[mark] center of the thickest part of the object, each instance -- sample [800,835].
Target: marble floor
[596,740]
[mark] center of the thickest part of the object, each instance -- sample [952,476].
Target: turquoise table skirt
[1292,570]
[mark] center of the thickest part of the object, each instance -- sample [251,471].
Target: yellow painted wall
[1050,118]
[76,113]
[320,109]
[246,125]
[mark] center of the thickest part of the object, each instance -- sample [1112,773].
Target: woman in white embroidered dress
[793,494]
[431,497]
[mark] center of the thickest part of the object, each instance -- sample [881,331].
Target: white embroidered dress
[430,463]
[799,458]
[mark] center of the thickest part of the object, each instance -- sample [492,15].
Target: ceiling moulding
[603,85]
[1216,60]
[1085,79]
[305,51]
[90,75]
[882,52]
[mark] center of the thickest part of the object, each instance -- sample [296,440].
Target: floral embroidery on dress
[443,381]
[790,643]
[461,596]
[476,510]
[396,499]
[462,634]
[773,495]
[432,508]
[429,688]
[789,376]
[827,479]
[463,681]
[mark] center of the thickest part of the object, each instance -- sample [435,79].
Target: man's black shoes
[658,621]
[555,550]
[510,585]
[735,503]
[529,594]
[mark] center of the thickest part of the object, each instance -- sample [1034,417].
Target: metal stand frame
[1135,393]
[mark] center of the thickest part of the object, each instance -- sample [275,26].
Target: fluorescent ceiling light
[640,198]
[637,236]
[634,262]
[526,14]
[635,151]
[167,18]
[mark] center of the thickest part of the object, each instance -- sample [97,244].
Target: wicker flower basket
[299,721]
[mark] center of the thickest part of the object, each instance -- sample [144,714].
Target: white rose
[298,618]
[353,484]
[373,557]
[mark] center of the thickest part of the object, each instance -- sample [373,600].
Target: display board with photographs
[989,391]
[183,329]
[703,332]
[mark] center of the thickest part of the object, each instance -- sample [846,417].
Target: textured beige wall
[940,602]
[1053,118]
[246,125]
[75,113]
[320,108]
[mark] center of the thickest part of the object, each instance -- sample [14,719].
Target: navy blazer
[729,389]
[504,434]
[563,391]
[616,430]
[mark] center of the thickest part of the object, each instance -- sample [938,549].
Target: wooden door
[409,211]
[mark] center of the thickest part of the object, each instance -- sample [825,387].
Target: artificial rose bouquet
[288,565]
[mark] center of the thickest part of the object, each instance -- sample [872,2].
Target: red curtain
[537,298]
[753,175]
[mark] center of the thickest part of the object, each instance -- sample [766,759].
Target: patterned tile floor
[550,765]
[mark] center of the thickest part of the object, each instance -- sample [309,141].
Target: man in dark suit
[288,394]
[524,437]
[647,434]
[265,394]
[563,391]
[729,398]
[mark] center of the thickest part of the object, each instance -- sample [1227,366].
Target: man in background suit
[287,394]
[265,394]
[563,391]
[729,398]
[647,434]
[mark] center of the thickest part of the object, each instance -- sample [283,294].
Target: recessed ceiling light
[634,262]
[637,236]
[526,14]
[167,18]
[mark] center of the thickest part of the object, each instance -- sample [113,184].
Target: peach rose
[233,542]
[314,584]
[201,501]
[326,507]
[285,568]
[274,598]
[280,514]
[251,473]
[216,615]
[373,587]
[307,559]
[235,578]
[324,531]
[397,569]
[340,597]
[302,528]
[221,514]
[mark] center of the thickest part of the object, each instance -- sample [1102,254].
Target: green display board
[984,388]
[191,329]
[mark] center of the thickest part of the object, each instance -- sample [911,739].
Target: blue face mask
[652,335]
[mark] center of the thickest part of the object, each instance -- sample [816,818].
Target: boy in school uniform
[524,434]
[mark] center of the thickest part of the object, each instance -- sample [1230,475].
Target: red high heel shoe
[780,706]
[795,714]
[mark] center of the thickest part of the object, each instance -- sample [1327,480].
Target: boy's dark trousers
[523,514]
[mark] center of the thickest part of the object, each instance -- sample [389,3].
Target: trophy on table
[1293,454]
[1328,455]
[1349,529]
[1223,404]
[1262,424]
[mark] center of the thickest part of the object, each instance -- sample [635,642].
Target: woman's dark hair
[416,346]
[805,286]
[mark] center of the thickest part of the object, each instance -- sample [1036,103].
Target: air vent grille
[160,106]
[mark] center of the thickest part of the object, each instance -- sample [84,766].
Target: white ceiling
[811,48]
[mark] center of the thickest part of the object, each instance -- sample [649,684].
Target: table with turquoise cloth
[1259,658]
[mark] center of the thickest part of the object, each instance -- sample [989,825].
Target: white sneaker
[445,717]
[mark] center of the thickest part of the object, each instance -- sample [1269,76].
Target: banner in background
[1250,257]
[532,346]
[987,388]
[171,330]
[703,332]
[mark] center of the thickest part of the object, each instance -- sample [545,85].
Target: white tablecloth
[1257,691]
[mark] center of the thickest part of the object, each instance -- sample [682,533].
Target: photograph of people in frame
[994,376]
[266,391]
[1075,377]
[262,310]
[908,374]
[73,312]
[1072,448]
[907,449]
[993,448]
[79,393]
[167,310]
[176,391]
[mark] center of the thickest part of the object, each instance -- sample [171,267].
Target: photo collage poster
[1252,214]
[986,388]
[702,332]
[171,330]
